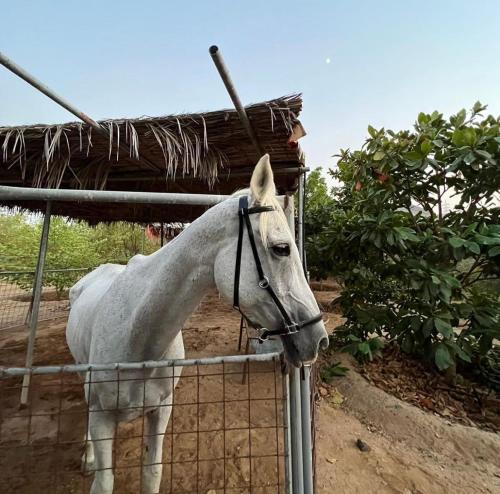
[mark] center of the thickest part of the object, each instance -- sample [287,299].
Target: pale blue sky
[389,59]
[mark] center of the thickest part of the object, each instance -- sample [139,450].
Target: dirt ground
[411,451]
[219,418]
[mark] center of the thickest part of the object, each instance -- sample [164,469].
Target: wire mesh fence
[16,295]
[226,433]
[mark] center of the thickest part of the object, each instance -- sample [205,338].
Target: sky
[356,62]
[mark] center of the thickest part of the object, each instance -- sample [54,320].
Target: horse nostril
[323,343]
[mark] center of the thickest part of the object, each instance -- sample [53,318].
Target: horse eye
[281,250]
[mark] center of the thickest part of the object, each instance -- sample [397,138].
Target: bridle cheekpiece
[289,326]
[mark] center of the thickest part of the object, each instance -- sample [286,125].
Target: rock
[362,446]
[323,391]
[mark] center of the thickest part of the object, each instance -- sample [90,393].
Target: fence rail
[225,434]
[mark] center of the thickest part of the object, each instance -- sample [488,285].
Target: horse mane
[266,220]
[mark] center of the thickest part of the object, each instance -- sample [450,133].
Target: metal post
[305,382]
[23,74]
[305,402]
[226,78]
[33,81]
[294,389]
[300,224]
[296,432]
[286,423]
[37,289]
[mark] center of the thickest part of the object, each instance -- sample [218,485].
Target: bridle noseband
[290,327]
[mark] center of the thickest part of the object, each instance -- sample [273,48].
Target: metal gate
[19,439]
[228,430]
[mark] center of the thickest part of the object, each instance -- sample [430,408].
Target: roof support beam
[44,89]
[226,78]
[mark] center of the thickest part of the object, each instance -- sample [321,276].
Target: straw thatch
[191,153]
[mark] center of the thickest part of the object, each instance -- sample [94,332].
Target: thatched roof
[199,152]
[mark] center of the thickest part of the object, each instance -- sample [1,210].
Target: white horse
[136,313]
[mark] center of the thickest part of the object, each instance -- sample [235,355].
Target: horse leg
[102,427]
[88,458]
[156,425]
[88,448]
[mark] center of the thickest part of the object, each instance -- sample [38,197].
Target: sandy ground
[411,451]
[209,437]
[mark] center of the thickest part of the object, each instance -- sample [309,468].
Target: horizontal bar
[73,195]
[62,270]
[148,364]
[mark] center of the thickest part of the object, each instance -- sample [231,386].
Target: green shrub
[413,269]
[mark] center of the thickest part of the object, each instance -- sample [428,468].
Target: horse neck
[175,279]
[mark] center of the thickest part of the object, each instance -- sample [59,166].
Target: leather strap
[290,327]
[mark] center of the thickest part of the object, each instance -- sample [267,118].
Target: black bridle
[289,327]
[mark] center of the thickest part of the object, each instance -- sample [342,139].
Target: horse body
[135,313]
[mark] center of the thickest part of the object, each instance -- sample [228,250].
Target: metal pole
[305,382]
[294,389]
[300,224]
[305,402]
[286,422]
[226,78]
[132,366]
[37,288]
[19,71]
[33,81]
[291,447]
[296,432]
[32,194]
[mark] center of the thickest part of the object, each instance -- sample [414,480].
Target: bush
[415,270]
[72,244]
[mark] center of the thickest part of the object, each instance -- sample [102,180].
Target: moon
[327,61]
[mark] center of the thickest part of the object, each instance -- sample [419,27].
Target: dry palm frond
[196,146]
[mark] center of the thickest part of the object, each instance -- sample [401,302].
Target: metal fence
[16,295]
[23,457]
[225,433]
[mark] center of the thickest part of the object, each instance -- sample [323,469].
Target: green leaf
[423,118]
[425,147]
[483,240]
[406,233]
[470,136]
[443,327]
[463,355]
[478,107]
[460,118]
[494,251]
[473,247]
[442,357]
[464,137]
[456,242]
[372,131]
[413,156]
[484,154]
[365,349]
[379,155]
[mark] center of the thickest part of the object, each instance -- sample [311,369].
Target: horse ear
[262,182]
